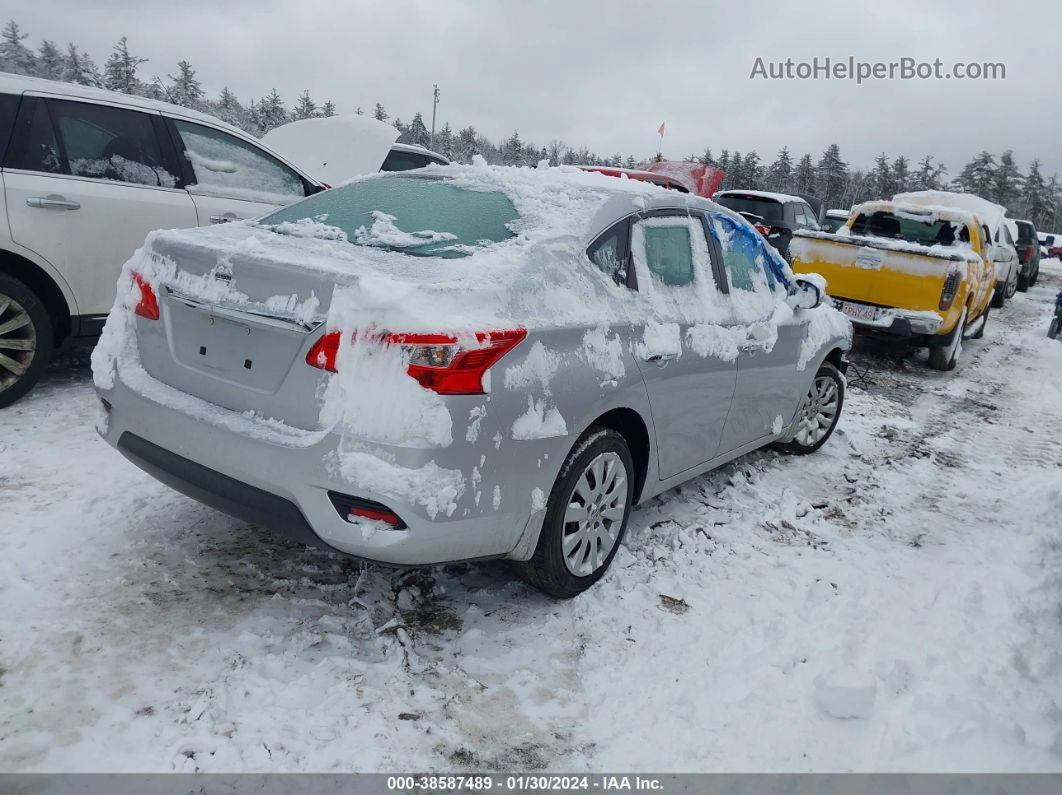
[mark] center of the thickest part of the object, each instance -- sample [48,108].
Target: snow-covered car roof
[988,212]
[782,198]
[15,84]
[335,149]
[420,150]
[838,213]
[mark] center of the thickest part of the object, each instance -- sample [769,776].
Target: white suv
[86,174]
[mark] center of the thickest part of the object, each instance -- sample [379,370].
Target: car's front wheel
[819,412]
[25,339]
[586,516]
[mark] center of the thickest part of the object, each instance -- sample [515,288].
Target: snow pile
[122,169]
[385,233]
[604,353]
[845,692]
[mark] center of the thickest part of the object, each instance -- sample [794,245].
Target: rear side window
[609,252]
[109,143]
[8,109]
[34,146]
[398,160]
[224,165]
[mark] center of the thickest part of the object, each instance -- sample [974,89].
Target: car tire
[944,355]
[25,339]
[1052,330]
[577,545]
[1023,283]
[818,414]
[1035,275]
[982,322]
[1012,286]
[998,296]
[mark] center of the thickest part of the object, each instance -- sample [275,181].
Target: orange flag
[661,130]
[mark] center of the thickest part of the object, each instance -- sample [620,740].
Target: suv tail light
[439,362]
[763,229]
[947,295]
[147,302]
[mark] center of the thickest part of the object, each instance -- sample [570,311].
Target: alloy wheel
[594,516]
[18,341]
[818,412]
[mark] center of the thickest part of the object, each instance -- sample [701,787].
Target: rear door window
[34,146]
[8,109]
[105,142]
[227,166]
[609,252]
[668,247]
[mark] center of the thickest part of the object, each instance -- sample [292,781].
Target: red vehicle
[685,177]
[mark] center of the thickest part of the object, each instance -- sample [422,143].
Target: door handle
[48,203]
[661,358]
[223,219]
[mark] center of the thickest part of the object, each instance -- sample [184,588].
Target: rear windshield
[1025,233]
[765,208]
[927,233]
[832,224]
[419,216]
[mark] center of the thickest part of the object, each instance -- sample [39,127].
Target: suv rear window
[926,233]
[765,208]
[1026,232]
[414,215]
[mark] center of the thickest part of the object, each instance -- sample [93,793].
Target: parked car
[1002,252]
[835,219]
[1051,245]
[700,179]
[338,148]
[1028,248]
[465,362]
[662,180]
[923,275]
[86,175]
[781,213]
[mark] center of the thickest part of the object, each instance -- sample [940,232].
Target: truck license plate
[858,311]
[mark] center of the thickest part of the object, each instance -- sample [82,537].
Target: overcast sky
[606,74]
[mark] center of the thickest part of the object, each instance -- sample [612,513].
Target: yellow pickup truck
[924,274]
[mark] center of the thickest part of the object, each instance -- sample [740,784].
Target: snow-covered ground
[909,574]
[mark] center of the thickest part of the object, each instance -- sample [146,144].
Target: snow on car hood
[334,149]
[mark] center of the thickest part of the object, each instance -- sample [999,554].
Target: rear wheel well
[629,424]
[44,287]
[834,357]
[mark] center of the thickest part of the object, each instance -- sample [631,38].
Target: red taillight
[763,229]
[148,303]
[323,353]
[947,295]
[440,362]
[1028,253]
[379,515]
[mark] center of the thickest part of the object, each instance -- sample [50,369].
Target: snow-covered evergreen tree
[1007,182]
[928,176]
[512,150]
[444,141]
[880,183]
[270,113]
[379,113]
[978,176]
[831,176]
[780,173]
[329,109]
[1036,204]
[417,133]
[804,175]
[184,89]
[305,107]
[901,175]
[119,72]
[14,55]
[79,68]
[49,61]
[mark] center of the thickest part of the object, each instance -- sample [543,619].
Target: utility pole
[434,105]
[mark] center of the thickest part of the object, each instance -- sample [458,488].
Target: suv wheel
[586,516]
[25,339]
[819,412]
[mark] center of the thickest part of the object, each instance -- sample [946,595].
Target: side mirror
[804,294]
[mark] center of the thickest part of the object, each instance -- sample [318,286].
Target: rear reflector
[439,362]
[354,508]
[147,302]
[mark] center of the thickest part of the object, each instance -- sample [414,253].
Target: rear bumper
[286,486]
[897,322]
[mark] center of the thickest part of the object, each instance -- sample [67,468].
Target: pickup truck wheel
[586,516]
[981,323]
[25,339]
[818,414]
[945,354]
